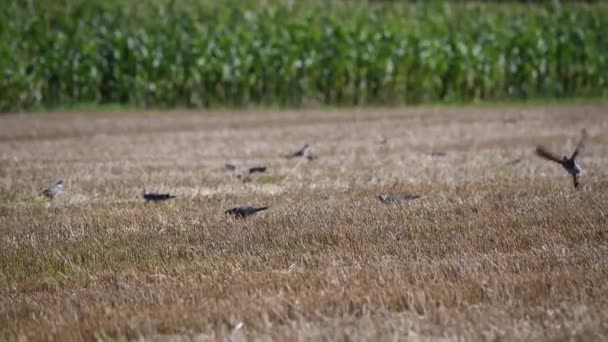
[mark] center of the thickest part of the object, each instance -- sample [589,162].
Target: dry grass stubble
[490,251]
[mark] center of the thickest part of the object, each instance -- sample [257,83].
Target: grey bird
[53,190]
[569,164]
[393,199]
[514,161]
[438,154]
[300,153]
[242,212]
[156,197]
[256,169]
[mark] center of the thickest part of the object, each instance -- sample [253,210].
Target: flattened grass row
[157,53]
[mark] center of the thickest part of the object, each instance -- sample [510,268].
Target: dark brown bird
[569,164]
[299,153]
[257,169]
[242,212]
[156,197]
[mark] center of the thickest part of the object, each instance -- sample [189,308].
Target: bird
[242,212]
[300,153]
[53,190]
[311,156]
[569,164]
[244,178]
[438,154]
[156,197]
[260,169]
[391,199]
[514,161]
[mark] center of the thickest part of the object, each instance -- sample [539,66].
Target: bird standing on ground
[567,163]
[257,169]
[53,190]
[242,212]
[155,197]
[391,199]
[300,153]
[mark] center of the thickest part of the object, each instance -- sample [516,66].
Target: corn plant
[166,53]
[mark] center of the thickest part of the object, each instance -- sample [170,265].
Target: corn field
[162,53]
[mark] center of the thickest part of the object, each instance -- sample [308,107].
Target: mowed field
[500,245]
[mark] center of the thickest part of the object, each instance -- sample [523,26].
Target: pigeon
[300,153]
[53,190]
[382,140]
[244,178]
[156,197]
[391,199]
[567,163]
[260,169]
[242,212]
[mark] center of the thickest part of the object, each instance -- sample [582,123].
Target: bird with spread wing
[569,164]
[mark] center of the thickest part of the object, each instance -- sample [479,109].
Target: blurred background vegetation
[206,53]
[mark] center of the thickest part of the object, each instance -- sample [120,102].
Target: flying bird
[53,190]
[392,199]
[569,164]
[156,197]
[242,212]
[300,153]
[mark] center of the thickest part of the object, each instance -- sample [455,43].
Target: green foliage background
[204,53]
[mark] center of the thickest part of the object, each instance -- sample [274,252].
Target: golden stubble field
[493,250]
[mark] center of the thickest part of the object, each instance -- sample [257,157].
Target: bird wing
[581,144]
[543,152]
